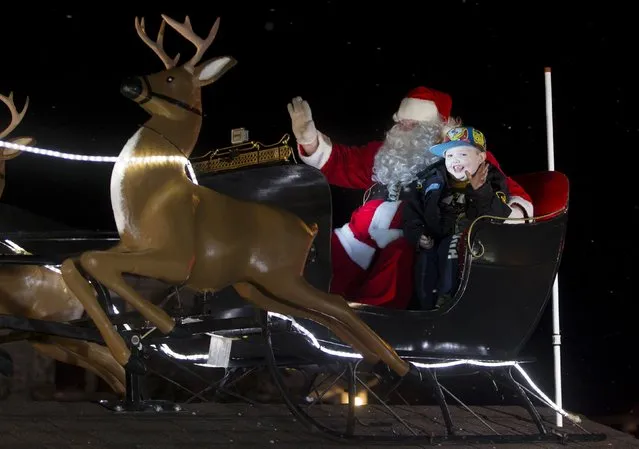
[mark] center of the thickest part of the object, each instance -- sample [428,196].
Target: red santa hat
[423,104]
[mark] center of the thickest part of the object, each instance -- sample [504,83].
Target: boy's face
[462,159]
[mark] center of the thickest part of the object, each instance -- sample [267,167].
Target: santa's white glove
[302,121]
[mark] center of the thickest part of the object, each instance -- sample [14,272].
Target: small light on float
[361,398]
[239,135]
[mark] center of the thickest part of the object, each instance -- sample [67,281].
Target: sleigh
[505,287]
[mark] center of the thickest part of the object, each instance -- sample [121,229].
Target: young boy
[447,197]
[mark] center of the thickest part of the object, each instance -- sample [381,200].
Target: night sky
[353,64]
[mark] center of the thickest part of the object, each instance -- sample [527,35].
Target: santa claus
[371,261]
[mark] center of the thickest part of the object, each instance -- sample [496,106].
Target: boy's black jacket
[422,214]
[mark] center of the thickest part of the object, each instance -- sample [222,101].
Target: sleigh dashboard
[244,155]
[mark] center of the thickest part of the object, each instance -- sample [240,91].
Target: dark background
[354,61]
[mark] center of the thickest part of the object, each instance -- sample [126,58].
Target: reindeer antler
[157,46]
[16,117]
[186,30]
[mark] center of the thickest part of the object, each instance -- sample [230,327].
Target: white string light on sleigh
[143,160]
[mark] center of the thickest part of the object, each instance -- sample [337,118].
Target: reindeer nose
[131,88]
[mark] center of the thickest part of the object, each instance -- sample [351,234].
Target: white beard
[404,154]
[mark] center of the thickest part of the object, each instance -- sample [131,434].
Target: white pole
[556,332]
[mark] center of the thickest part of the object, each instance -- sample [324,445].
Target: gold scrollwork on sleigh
[242,155]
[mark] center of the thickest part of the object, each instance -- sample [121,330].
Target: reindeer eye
[169,79]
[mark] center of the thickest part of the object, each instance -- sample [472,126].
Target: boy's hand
[426,242]
[479,178]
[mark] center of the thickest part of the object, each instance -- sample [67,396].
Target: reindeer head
[174,93]
[16,118]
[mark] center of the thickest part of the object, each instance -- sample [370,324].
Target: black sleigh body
[506,280]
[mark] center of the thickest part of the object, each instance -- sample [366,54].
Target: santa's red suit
[371,261]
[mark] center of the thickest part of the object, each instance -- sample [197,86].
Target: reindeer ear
[27,141]
[213,69]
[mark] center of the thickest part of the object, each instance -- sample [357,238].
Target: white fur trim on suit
[416,109]
[525,204]
[380,224]
[383,237]
[522,209]
[321,155]
[381,217]
[359,252]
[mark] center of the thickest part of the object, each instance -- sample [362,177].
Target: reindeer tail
[312,229]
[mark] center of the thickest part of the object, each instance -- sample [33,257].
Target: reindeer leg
[86,295]
[96,355]
[170,261]
[108,266]
[297,291]
[251,293]
[64,354]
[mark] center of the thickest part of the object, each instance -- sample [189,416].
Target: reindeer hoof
[413,374]
[389,380]
[135,366]
[179,332]
[385,374]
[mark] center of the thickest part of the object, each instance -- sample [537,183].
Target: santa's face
[404,151]
[459,160]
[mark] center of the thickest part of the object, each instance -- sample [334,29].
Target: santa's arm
[519,201]
[343,165]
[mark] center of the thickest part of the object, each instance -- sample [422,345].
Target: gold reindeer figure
[40,292]
[181,233]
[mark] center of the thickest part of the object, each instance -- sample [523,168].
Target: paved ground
[56,425]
